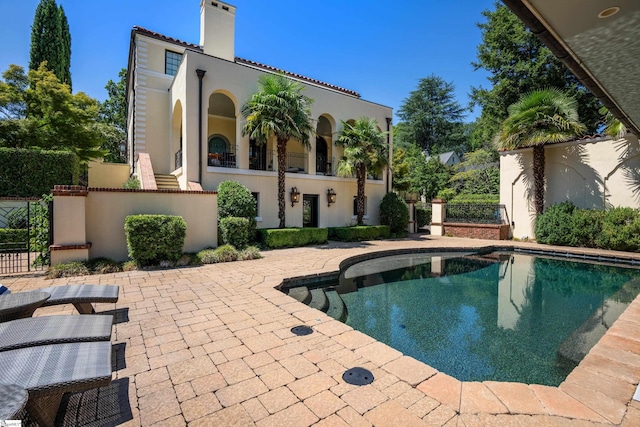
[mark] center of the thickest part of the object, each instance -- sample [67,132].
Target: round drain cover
[358,376]
[302,330]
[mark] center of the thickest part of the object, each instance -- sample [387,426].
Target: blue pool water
[501,316]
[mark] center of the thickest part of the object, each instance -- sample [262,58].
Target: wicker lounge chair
[58,329]
[49,371]
[81,296]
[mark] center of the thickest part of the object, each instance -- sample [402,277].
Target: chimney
[217,28]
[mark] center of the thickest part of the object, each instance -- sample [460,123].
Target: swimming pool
[501,316]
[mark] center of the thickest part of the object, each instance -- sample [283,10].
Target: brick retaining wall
[477,231]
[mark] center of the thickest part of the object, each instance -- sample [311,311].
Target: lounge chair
[81,296]
[49,371]
[57,329]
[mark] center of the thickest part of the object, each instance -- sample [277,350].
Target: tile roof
[254,64]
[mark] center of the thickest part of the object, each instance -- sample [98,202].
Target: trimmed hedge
[154,238]
[32,173]
[13,238]
[476,198]
[360,232]
[235,231]
[423,216]
[235,200]
[394,212]
[292,237]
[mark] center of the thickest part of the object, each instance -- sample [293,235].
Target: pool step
[319,300]
[301,293]
[337,309]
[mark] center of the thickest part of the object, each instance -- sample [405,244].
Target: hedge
[13,238]
[154,238]
[423,216]
[476,198]
[32,173]
[361,232]
[292,237]
[235,231]
[394,212]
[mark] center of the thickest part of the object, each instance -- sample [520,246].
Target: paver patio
[212,346]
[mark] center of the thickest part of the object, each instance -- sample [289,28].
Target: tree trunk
[282,166]
[538,178]
[361,174]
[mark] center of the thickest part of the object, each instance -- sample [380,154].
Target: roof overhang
[601,52]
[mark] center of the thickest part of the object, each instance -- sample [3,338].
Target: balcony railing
[226,159]
[178,159]
[325,165]
[261,160]
[296,163]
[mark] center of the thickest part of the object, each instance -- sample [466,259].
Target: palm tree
[278,109]
[365,150]
[613,127]
[539,118]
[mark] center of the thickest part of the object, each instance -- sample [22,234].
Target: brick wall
[477,231]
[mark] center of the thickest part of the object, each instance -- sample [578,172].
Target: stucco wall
[595,174]
[107,175]
[106,212]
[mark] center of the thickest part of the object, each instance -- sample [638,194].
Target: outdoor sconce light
[295,196]
[331,196]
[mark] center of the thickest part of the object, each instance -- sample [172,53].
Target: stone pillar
[437,217]
[242,145]
[412,227]
[69,229]
[311,158]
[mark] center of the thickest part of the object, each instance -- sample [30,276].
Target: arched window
[219,152]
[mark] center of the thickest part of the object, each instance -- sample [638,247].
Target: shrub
[423,216]
[476,198]
[586,226]
[224,253]
[235,231]
[554,225]
[31,173]
[620,230]
[130,266]
[68,269]
[234,199]
[40,229]
[133,183]
[12,238]
[394,212]
[103,266]
[248,253]
[361,232]
[446,194]
[293,237]
[154,238]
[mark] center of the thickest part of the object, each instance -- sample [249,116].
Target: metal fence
[25,234]
[226,159]
[472,213]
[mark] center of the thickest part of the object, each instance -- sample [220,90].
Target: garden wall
[477,231]
[90,223]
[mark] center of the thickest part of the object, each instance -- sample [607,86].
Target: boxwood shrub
[361,232]
[154,238]
[235,231]
[235,200]
[554,225]
[394,212]
[292,237]
[423,216]
[32,173]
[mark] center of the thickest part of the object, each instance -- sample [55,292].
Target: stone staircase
[166,182]
[323,299]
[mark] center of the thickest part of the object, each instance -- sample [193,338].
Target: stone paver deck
[211,346]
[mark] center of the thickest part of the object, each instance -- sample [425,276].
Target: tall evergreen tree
[51,40]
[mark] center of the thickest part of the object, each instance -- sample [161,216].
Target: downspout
[200,74]
[389,177]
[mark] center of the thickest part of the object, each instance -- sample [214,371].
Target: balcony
[224,159]
[325,165]
[261,160]
[296,163]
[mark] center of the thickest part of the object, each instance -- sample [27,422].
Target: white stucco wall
[596,174]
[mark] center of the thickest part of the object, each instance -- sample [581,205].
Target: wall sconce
[331,196]
[295,196]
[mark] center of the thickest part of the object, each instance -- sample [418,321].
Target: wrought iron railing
[178,159]
[261,160]
[296,162]
[226,159]
[473,213]
[325,165]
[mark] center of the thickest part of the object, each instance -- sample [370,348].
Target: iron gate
[25,234]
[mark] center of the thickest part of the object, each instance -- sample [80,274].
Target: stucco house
[184,122]
[598,43]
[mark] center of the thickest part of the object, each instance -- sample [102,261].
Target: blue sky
[379,49]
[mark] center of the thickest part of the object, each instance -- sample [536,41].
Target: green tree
[365,149]
[613,127]
[51,40]
[540,117]
[278,109]
[518,62]
[432,116]
[478,173]
[434,177]
[54,120]
[113,116]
